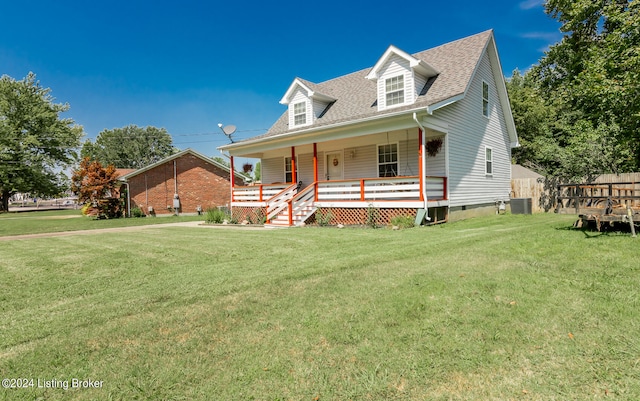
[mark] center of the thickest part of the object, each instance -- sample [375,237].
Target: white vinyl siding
[318,108]
[362,164]
[436,165]
[419,83]
[271,170]
[305,169]
[408,155]
[469,134]
[300,113]
[395,67]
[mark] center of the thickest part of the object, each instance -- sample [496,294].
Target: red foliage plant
[97,186]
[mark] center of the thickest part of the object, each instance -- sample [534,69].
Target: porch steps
[282,219]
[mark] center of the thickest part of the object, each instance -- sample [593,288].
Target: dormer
[305,103]
[400,78]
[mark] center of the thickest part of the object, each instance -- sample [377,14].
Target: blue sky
[189,65]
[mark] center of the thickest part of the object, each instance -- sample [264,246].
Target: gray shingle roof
[356,96]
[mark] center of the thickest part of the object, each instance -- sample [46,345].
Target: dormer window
[305,102]
[400,78]
[394,89]
[300,113]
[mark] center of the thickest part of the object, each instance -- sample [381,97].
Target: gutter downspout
[128,200]
[175,178]
[424,165]
[146,192]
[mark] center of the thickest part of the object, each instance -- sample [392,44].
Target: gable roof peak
[174,156]
[420,66]
[310,88]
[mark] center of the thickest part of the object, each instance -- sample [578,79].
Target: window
[488,161]
[300,113]
[288,176]
[394,88]
[485,99]
[388,160]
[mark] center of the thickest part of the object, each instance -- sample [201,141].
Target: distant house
[196,181]
[426,133]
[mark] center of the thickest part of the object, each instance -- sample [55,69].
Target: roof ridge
[356,97]
[413,55]
[453,42]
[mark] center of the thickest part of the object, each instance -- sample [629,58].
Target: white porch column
[232,178]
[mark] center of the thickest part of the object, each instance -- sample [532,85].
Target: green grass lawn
[497,308]
[72,220]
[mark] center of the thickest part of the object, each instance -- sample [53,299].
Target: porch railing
[276,196]
[280,201]
[381,189]
[257,193]
[301,206]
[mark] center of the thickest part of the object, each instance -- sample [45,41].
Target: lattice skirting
[253,215]
[354,216]
[339,215]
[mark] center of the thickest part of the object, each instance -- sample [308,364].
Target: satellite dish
[229,130]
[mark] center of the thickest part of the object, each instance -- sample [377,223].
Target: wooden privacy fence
[543,198]
[529,188]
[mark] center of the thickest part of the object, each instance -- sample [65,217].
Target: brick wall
[198,183]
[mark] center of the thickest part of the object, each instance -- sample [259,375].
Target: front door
[334,166]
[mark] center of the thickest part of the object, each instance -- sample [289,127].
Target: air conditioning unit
[521,206]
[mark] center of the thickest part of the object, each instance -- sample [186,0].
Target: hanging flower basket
[247,167]
[433,146]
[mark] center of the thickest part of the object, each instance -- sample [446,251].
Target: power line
[217,137]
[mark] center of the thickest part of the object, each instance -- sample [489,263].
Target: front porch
[348,202]
[348,176]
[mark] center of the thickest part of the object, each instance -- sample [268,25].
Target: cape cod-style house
[421,135]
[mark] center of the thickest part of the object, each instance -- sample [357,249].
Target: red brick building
[197,180]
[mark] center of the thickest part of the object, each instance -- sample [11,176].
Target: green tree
[130,146]
[592,77]
[222,161]
[35,142]
[559,142]
[534,121]
[257,172]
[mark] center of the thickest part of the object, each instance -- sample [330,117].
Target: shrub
[323,218]
[403,221]
[85,210]
[110,208]
[372,216]
[137,212]
[215,216]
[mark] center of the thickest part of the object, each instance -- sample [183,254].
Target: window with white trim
[488,161]
[288,176]
[394,89]
[300,113]
[388,160]
[485,99]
